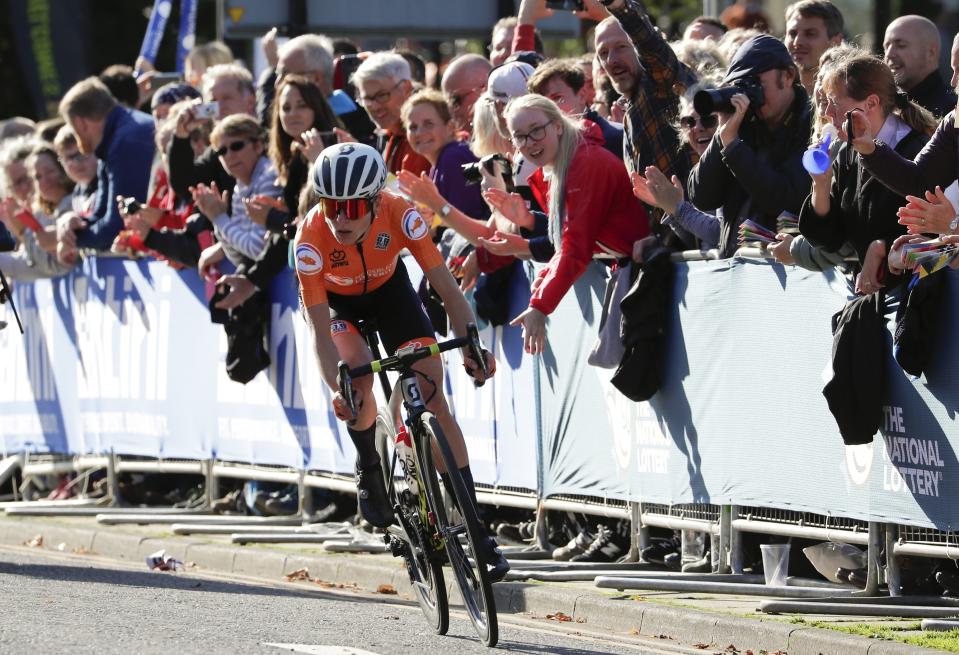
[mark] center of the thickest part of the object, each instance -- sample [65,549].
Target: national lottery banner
[741,418]
[121,356]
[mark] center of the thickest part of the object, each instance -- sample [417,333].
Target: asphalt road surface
[82,604]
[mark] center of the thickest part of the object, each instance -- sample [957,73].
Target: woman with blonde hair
[845,204]
[591,209]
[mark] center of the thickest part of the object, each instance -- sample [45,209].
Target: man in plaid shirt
[646,72]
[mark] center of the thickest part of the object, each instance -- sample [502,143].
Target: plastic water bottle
[404,452]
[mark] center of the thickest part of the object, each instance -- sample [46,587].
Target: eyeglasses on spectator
[379,98]
[536,134]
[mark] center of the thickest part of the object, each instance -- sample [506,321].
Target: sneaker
[496,562]
[702,565]
[284,505]
[673,561]
[372,497]
[229,504]
[602,549]
[656,552]
[521,533]
[576,546]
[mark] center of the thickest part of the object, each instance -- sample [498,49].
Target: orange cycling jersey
[324,265]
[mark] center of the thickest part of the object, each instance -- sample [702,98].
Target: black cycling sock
[364,442]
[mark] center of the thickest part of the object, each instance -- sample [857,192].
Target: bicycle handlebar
[403,360]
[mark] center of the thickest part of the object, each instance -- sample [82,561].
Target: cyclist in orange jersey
[347,260]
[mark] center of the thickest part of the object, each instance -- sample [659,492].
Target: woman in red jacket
[592,211]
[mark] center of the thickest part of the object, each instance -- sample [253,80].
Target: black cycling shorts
[394,308]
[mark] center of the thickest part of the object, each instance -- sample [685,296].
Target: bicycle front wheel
[423,563]
[469,563]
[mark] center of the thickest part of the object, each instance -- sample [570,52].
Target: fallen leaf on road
[559,616]
[663,637]
[299,574]
[749,652]
[36,542]
[581,620]
[81,550]
[386,589]
[701,646]
[392,618]
[633,631]
[731,649]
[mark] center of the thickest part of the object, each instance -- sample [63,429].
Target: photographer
[752,168]
[230,87]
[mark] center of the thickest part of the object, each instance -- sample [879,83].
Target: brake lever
[476,350]
[346,388]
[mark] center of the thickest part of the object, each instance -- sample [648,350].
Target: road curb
[595,610]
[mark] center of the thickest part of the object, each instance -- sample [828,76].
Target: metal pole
[893,577]
[735,542]
[220,13]
[635,527]
[876,536]
[112,490]
[212,483]
[722,544]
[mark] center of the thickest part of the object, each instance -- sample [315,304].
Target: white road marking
[322,650]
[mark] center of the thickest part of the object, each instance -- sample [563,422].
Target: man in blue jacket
[122,140]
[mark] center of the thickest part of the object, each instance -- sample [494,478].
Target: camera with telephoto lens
[720,100]
[474,175]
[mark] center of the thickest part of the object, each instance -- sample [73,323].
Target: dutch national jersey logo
[309,261]
[414,226]
[382,241]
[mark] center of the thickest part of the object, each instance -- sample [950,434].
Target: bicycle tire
[423,564]
[472,579]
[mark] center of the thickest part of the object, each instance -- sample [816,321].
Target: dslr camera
[495,164]
[720,100]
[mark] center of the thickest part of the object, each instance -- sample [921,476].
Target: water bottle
[404,452]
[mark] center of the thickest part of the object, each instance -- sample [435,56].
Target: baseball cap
[508,80]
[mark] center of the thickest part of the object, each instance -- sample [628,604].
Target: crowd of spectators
[515,156]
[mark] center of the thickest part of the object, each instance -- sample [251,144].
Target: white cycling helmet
[349,170]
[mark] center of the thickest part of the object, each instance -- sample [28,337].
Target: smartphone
[162,79]
[129,206]
[209,110]
[565,5]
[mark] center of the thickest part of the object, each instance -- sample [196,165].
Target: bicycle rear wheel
[472,578]
[411,541]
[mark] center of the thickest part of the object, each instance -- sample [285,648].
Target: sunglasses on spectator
[379,98]
[536,134]
[354,208]
[457,100]
[236,146]
[708,122]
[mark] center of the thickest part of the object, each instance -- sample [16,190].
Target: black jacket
[758,176]
[180,246]
[933,94]
[856,392]
[645,319]
[862,209]
[186,170]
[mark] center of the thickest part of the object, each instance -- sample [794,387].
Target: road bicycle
[428,533]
